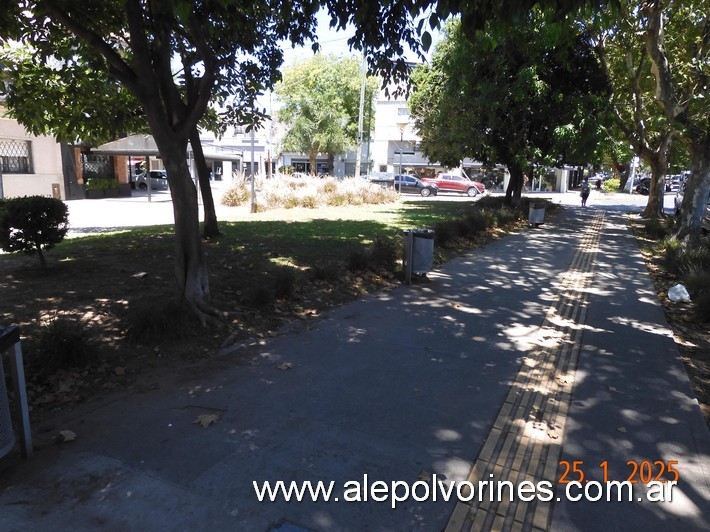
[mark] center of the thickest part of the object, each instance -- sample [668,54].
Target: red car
[457,183]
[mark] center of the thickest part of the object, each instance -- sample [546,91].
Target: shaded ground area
[403,384]
[103,284]
[106,289]
[692,334]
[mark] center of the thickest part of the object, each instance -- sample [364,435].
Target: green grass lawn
[302,237]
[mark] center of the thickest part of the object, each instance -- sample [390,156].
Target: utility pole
[358,156]
[253,177]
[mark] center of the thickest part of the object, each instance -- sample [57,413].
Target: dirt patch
[691,334]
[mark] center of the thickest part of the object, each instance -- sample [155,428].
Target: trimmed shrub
[32,223]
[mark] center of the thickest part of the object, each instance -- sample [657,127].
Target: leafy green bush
[611,185]
[32,223]
[61,343]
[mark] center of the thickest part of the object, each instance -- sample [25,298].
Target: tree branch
[660,66]
[119,68]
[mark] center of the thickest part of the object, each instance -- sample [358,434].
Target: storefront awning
[144,146]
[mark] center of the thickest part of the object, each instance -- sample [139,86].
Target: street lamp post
[402,126]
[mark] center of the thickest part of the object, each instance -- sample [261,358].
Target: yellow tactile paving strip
[525,441]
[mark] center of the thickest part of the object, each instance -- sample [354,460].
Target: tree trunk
[331,164]
[312,158]
[695,131]
[515,186]
[210,227]
[192,282]
[697,190]
[659,168]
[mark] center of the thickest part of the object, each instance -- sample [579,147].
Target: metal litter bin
[536,215]
[7,436]
[10,340]
[418,252]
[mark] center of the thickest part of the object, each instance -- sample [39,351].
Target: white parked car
[158,180]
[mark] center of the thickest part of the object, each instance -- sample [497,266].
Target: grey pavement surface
[399,386]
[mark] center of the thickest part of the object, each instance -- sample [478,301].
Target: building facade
[29,164]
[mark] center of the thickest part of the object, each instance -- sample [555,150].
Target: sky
[333,42]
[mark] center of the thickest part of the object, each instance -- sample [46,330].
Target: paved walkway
[548,346]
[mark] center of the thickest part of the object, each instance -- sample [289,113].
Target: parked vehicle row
[671,184]
[457,183]
[430,186]
[407,184]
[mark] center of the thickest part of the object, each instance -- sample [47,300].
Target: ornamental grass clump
[310,193]
[61,343]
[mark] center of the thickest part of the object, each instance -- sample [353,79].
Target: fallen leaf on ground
[611,388]
[285,365]
[206,420]
[67,435]
[621,429]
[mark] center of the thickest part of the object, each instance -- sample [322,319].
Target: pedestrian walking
[586,189]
